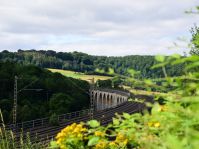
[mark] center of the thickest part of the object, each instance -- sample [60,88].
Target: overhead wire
[28,85]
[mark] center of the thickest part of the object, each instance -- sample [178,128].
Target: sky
[97,27]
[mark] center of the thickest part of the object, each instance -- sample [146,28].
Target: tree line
[89,64]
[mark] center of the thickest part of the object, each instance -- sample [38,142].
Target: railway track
[47,133]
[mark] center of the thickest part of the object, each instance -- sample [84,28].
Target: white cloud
[105,27]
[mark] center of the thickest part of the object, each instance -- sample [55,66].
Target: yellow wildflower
[99,134]
[120,137]
[150,124]
[76,130]
[101,145]
[121,140]
[125,142]
[71,131]
[73,126]
[112,144]
[80,135]
[60,135]
[83,129]
[63,147]
[157,124]
[154,124]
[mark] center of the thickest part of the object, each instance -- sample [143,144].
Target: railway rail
[41,131]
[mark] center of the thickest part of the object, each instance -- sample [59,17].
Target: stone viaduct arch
[107,98]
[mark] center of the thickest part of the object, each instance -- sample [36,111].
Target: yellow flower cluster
[99,134]
[102,144]
[113,144]
[154,124]
[121,139]
[119,142]
[71,131]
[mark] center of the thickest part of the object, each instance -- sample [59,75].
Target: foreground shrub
[9,140]
[172,124]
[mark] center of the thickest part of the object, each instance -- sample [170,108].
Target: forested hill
[58,94]
[88,64]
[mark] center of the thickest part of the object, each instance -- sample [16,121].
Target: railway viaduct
[107,98]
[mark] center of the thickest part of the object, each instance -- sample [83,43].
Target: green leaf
[170,140]
[126,115]
[156,108]
[178,61]
[133,72]
[190,99]
[99,70]
[149,82]
[93,123]
[111,71]
[177,56]
[192,65]
[160,58]
[54,145]
[116,122]
[193,58]
[93,141]
[159,65]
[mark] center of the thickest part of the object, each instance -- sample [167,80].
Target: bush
[54,120]
[171,124]
[8,140]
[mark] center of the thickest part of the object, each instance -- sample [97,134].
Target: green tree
[60,103]
[195,41]
[104,83]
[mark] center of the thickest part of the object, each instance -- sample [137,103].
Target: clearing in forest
[79,75]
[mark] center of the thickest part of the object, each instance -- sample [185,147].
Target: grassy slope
[151,93]
[79,75]
[142,92]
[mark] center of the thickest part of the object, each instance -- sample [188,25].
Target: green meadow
[79,75]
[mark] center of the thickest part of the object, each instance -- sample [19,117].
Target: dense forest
[56,95]
[88,64]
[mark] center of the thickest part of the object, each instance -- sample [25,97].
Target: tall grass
[9,140]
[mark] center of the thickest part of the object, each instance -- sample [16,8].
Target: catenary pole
[15,102]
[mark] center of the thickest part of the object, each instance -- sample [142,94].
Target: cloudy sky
[97,27]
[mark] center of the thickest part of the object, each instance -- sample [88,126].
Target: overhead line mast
[92,99]
[15,101]
[16,91]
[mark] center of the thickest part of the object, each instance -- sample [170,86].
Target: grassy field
[142,92]
[151,93]
[79,75]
